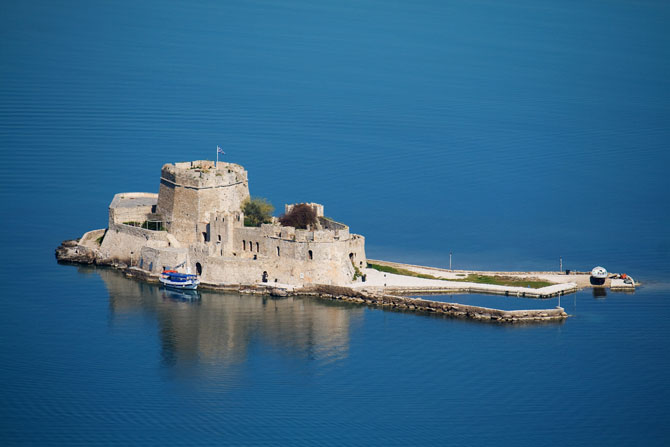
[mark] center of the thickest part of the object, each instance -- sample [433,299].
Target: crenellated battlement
[203,174]
[297,235]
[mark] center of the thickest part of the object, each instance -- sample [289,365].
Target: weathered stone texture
[200,206]
[133,207]
[190,193]
[71,251]
[437,307]
[123,243]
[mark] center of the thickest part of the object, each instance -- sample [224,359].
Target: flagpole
[218,150]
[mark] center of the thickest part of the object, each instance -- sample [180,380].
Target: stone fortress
[196,220]
[196,223]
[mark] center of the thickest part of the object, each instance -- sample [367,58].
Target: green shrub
[357,272]
[257,211]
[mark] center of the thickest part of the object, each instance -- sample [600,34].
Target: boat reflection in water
[180,295]
[599,292]
[207,329]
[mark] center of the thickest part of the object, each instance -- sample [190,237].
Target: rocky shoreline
[72,253]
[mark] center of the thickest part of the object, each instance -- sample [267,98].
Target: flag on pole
[219,150]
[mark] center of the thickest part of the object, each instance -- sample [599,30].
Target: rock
[278,292]
[69,251]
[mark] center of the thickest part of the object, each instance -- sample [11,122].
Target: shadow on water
[220,328]
[599,292]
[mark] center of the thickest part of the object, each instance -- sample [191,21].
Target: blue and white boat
[180,281]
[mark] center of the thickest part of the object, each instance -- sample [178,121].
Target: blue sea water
[508,133]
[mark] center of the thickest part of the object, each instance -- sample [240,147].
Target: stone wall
[230,239]
[356,251]
[221,232]
[154,260]
[124,242]
[90,239]
[218,270]
[329,224]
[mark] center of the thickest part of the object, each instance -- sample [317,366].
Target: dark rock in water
[70,251]
[278,292]
[105,261]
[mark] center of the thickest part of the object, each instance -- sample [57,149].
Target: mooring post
[449,260]
[560,264]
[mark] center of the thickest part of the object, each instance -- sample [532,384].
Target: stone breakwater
[436,307]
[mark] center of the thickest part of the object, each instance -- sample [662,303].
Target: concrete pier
[452,281]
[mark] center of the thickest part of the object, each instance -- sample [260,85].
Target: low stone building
[196,219]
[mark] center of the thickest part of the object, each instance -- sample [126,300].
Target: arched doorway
[198,268]
[265,277]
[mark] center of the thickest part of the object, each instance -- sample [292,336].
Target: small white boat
[180,281]
[599,272]
[598,276]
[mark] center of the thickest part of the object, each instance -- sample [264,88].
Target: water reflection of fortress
[220,328]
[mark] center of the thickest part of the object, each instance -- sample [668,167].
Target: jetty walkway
[452,281]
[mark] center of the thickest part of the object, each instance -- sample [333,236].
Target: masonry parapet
[329,224]
[133,207]
[203,174]
[298,235]
[139,232]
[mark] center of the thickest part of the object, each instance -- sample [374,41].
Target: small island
[197,221]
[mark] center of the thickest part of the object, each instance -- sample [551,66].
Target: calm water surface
[510,134]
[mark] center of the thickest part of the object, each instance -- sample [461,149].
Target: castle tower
[192,192]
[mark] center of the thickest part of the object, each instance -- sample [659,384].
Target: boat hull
[179,285]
